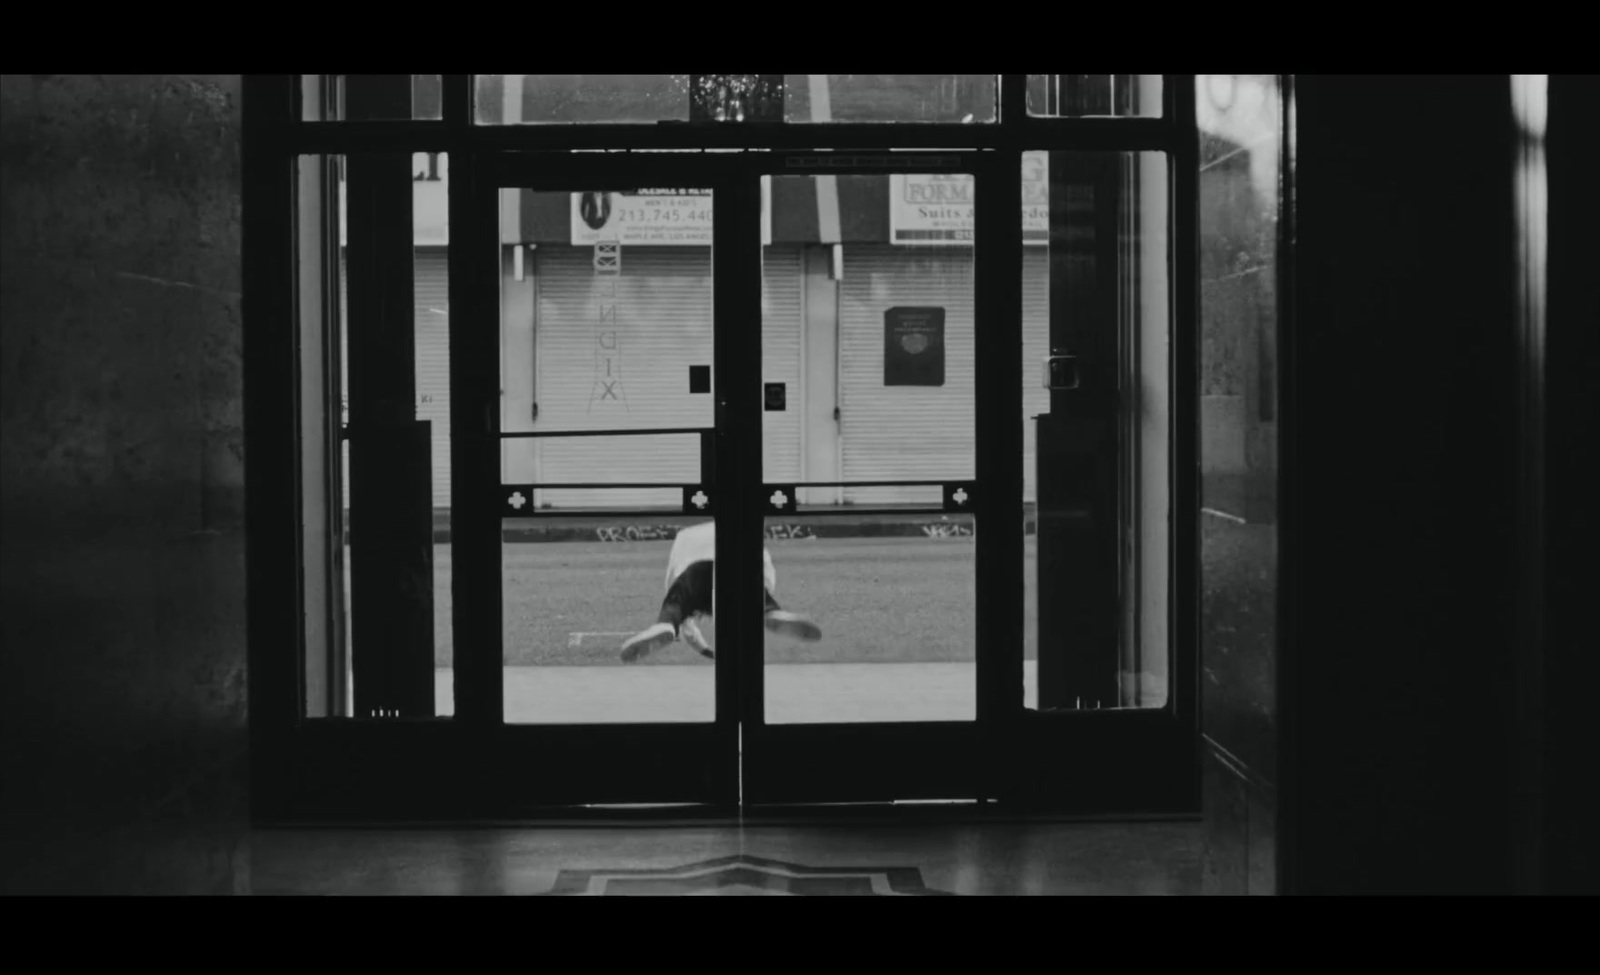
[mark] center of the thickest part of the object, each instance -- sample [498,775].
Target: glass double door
[734,472]
[743,417]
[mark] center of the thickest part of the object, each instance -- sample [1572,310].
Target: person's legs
[693,637]
[780,620]
[688,596]
[695,589]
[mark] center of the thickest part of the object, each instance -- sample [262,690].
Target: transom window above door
[649,99]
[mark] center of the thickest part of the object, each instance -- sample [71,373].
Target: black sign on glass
[699,379]
[777,400]
[913,347]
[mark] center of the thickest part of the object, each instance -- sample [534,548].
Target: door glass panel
[328,355]
[867,333]
[590,99]
[1083,95]
[647,99]
[371,98]
[606,414]
[956,98]
[324,460]
[518,99]
[1096,430]
[892,600]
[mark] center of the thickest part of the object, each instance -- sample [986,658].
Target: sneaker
[648,641]
[793,624]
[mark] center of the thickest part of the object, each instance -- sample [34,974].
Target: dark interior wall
[124,741]
[1568,671]
[1399,455]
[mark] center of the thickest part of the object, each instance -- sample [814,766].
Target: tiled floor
[992,859]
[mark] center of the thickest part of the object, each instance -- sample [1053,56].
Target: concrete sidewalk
[796,693]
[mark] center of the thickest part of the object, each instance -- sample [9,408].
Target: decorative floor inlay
[745,876]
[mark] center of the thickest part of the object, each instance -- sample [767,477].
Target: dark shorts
[690,595]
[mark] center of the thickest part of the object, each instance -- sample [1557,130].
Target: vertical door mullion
[736,256]
[474,267]
[337,678]
[997,262]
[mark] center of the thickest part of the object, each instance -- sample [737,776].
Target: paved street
[897,616]
[878,600]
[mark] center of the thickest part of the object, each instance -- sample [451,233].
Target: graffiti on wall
[778,533]
[655,533]
[635,533]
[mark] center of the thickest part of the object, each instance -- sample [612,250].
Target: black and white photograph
[811,485]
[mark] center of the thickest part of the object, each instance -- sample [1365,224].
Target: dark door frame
[474,766]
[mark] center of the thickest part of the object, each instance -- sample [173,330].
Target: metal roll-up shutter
[432,300]
[782,323]
[904,432]
[663,327]
[1035,347]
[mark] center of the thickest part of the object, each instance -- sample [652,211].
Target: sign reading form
[929,208]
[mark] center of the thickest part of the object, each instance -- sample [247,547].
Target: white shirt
[698,543]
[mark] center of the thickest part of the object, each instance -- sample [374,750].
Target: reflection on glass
[326,586]
[605,334]
[1080,95]
[1106,249]
[956,98]
[867,327]
[518,99]
[371,97]
[647,99]
[1240,124]
[737,98]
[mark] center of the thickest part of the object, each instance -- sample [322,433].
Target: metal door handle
[1061,372]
